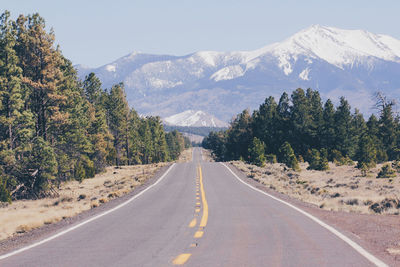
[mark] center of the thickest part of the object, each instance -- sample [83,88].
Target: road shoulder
[376,233]
[22,240]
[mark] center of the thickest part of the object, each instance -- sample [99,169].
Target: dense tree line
[302,127]
[202,131]
[53,127]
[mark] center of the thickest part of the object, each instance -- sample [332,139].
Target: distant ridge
[337,62]
[193,118]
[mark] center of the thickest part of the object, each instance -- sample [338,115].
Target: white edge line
[350,242]
[85,222]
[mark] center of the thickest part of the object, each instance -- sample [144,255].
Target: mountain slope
[192,118]
[337,62]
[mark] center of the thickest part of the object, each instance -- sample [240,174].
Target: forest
[303,128]
[55,127]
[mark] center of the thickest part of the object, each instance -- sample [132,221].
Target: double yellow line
[182,258]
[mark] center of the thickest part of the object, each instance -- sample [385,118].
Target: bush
[339,159]
[386,172]
[271,158]
[364,169]
[318,161]
[396,165]
[288,157]
[256,152]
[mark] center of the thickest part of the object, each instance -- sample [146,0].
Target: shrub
[288,157]
[386,172]
[396,165]
[318,161]
[339,159]
[271,158]
[363,168]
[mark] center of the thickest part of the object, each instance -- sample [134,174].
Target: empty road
[197,214]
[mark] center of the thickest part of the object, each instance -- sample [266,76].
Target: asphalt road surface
[198,214]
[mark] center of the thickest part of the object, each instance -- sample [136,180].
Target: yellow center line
[198,234]
[204,218]
[193,223]
[181,259]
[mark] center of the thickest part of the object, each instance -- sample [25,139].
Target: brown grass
[186,155]
[207,155]
[342,188]
[24,215]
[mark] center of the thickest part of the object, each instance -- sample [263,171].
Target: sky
[97,32]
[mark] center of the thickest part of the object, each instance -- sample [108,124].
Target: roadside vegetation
[56,128]
[303,129]
[341,188]
[326,155]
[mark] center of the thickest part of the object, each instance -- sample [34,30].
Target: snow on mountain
[194,119]
[336,46]
[336,62]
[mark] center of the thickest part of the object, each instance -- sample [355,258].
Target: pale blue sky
[94,33]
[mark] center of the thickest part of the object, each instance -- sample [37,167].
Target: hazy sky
[96,32]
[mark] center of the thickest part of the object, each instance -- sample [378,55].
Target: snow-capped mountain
[352,63]
[194,118]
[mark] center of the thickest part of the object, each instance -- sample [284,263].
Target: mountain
[352,63]
[192,118]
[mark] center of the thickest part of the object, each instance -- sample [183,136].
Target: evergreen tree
[288,157]
[366,154]
[265,124]
[318,161]
[239,136]
[117,116]
[98,131]
[301,120]
[328,127]
[40,63]
[256,152]
[343,126]
[387,131]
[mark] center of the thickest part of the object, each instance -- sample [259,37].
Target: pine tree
[98,131]
[387,131]
[117,116]
[239,136]
[16,125]
[265,123]
[328,127]
[366,154]
[301,120]
[288,157]
[318,161]
[343,127]
[256,152]
[40,63]
[135,140]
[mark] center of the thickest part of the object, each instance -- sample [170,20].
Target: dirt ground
[24,215]
[342,188]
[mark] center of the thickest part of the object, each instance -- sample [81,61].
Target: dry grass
[186,155]
[24,215]
[207,155]
[340,189]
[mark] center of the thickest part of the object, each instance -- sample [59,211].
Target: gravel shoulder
[379,234]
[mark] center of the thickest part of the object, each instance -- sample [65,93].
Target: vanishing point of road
[197,214]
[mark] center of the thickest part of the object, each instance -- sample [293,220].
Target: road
[198,214]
